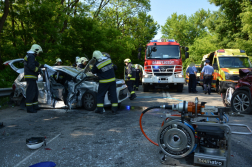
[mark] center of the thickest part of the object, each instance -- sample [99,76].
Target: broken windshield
[163,52]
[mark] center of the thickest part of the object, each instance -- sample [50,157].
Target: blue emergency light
[171,40]
[153,40]
[156,67]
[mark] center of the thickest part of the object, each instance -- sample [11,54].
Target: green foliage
[7,77]
[66,29]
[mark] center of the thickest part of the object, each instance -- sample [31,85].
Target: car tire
[237,105]
[217,87]
[145,87]
[180,87]
[89,101]
[223,96]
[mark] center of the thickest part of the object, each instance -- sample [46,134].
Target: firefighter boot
[133,96]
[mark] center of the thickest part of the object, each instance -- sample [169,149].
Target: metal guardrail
[5,92]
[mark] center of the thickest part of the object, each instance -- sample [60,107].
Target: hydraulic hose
[140,120]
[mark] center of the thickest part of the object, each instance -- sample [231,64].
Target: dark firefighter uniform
[107,82]
[130,72]
[136,86]
[82,66]
[31,71]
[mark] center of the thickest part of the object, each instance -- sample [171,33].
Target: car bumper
[163,79]
[226,84]
[122,94]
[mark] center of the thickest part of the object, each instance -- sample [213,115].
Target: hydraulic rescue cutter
[190,134]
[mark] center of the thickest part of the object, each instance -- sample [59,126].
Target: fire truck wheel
[145,87]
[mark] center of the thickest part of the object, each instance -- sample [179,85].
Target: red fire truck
[163,65]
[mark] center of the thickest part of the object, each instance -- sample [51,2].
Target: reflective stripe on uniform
[29,104]
[132,92]
[36,69]
[107,80]
[114,104]
[25,58]
[102,64]
[133,79]
[129,75]
[35,103]
[99,105]
[31,76]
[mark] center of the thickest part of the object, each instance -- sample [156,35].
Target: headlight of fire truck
[227,76]
[179,75]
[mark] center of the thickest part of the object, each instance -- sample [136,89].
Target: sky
[162,9]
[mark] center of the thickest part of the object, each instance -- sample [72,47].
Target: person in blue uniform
[104,69]
[31,70]
[191,72]
[130,72]
[207,72]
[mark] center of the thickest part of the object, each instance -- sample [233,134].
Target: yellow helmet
[58,60]
[36,48]
[127,61]
[97,54]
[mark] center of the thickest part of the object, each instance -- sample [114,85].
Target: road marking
[34,152]
[168,95]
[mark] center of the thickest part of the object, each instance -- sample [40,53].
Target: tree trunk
[2,21]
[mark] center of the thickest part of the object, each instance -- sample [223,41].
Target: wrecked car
[61,86]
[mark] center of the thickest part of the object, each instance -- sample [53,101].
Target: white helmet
[58,60]
[35,142]
[97,54]
[127,60]
[36,49]
[83,59]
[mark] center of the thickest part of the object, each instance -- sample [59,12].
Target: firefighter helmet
[83,60]
[127,61]
[36,48]
[58,60]
[97,54]
[35,142]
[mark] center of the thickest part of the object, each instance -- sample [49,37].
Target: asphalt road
[83,138]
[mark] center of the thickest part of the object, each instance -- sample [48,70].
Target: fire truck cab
[163,65]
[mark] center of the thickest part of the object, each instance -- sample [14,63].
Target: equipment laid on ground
[183,134]
[35,142]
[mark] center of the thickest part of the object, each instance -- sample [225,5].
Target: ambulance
[226,64]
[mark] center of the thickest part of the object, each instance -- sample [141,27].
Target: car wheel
[180,87]
[217,87]
[240,102]
[89,101]
[145,87]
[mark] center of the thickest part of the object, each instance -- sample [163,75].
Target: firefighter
[82,62]
[107,55]
[138,71]
[104,69]
[130,72]
[58,62]
[31,70]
